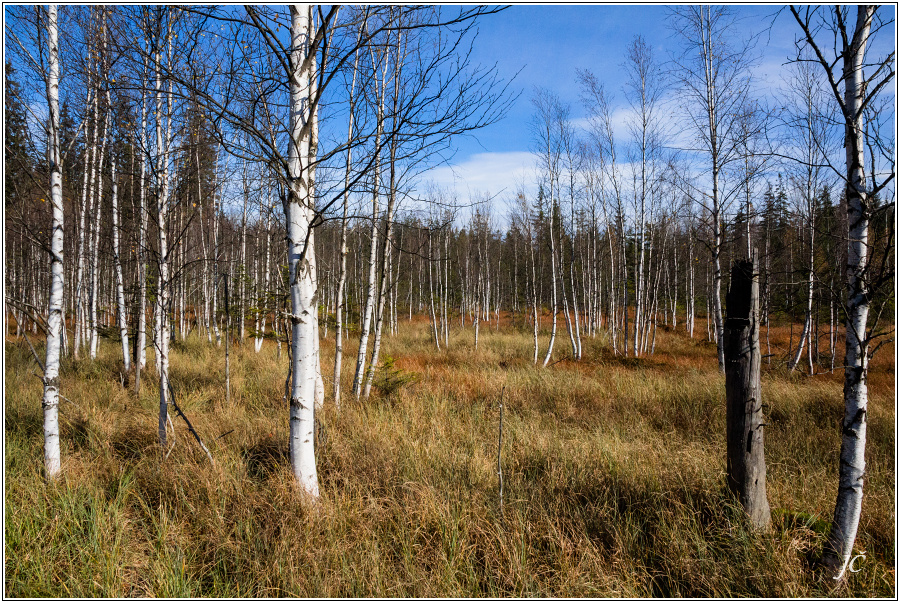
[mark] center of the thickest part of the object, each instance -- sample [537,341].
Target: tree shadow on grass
[265,457]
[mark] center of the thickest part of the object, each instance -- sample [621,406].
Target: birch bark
[856,394]
[142,244]
[50,400]
[299,212]
[163,139]
[94,230]
[120,284]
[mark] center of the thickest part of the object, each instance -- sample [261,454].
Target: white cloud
[494,174]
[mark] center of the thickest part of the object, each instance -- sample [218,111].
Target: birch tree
[715,81]
[545,127]
[163,122]
[807,120]
[141,336]
[602,136]
[379,62]
[120,282]
[856,88]
[50,401]
[644,93]
[299,209]
[342,270]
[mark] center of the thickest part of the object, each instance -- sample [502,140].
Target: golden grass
[613,472]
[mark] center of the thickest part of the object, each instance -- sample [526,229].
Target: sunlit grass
[613,472]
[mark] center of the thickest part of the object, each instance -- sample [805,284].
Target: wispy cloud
[492,174]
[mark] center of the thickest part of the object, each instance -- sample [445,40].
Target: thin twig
[223,435]
[72,403]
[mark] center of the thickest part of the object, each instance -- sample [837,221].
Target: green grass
[613,472]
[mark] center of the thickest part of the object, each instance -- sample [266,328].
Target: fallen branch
[566,357]
[189,426]
[38,360]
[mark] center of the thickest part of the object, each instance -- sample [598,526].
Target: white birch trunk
[50,400]
[142,244]
[264,305]
[89,153]
[434,324]
[205,278]
[120,284]
[373,252]
[445,297]
[95,239]
[691,300]
[387,246]
[215,274]
[243,274]
[553,281]
[342,270]
[853,439]
[299,213]
[534,297]
[162,295]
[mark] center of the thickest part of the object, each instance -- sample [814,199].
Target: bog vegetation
[613,471]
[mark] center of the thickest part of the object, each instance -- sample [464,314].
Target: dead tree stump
[744,417]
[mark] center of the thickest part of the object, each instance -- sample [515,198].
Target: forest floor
[613,474]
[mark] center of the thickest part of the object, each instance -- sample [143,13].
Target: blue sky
[549,43]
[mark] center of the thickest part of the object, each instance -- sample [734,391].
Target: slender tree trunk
[434,325]
[342,274]
[639,270]
[227,341]
[162,293]
[50,400]
[445,296]
[215,272]
[95,240]
[120,284]
[206,275]
[832,324]
[534,297]
[264,298]
[807,320]
[242,293]
[553,281]
[373,250]
[387,244]
[624,280]
[691,305]
[141,342]
[89,157]
[853,439]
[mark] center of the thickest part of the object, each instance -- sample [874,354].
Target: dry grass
[613,469]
